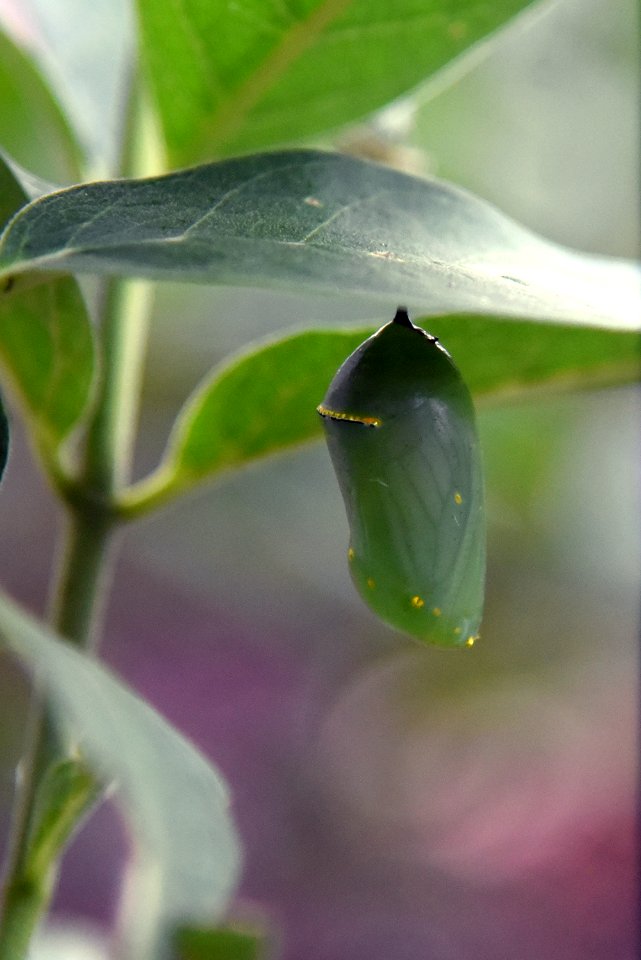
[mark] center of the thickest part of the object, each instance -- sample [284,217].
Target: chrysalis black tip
[402,318]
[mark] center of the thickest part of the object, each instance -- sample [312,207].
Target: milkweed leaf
[308,220]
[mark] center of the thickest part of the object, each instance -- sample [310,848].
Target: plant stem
[125,306]
[83,567]
[74,612]
[80,588]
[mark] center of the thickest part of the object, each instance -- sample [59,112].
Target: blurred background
[396,802]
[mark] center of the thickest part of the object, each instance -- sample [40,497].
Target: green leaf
[238,77]
[502,359]
[46,343]
[227,944]
[46,350]
[32,126]
[265,399]
[186,867]
[310,220]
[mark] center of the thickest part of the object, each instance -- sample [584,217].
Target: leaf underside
[308,220]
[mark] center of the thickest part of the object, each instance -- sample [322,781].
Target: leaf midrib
[230,118]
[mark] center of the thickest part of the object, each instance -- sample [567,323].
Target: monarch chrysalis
[401,433]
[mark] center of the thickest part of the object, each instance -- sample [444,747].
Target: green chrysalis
[402,436]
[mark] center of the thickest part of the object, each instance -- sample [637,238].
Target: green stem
[80,589]
[24,904]
[126,307]
[79,593]
[28,891]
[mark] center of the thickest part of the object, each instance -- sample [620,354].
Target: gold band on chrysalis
[350,417]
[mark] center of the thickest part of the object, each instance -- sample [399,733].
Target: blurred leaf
[32,126]
[521,447]
[30,185]
[186,867]
[46,342]
[86,50]
[265,399]
[310,220]
[232,77]
[221,944]
[12,194]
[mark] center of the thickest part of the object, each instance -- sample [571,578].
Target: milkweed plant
[251,145]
